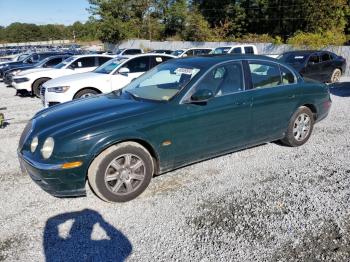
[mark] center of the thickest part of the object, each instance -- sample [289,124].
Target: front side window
[102,59]
[163,82]
[156,60]
[223,80]
[221,50]
[65,62]
[265,75]
[236,50]
[138,65]
[314,59]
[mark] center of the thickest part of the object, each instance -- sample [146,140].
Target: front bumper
[23,86]
[53,179]
[51,98]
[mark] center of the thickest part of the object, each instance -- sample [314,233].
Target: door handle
[291,96]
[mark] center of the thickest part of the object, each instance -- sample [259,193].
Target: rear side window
[189,53]
[101,60]
[265,75]
[325,57]
[201,51]
[236,50]
[138,65]
[287,76]
[156,60]
[249,50]
[84,62]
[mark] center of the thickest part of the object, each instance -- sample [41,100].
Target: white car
[236,49]
[31,80]
[113,75]
[191,52]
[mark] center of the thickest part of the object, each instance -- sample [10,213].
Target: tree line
[278,21]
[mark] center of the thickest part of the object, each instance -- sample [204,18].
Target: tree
[197,28]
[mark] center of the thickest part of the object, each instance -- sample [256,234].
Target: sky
[43,11]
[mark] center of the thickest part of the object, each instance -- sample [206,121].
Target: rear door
[327,66]
[274,94]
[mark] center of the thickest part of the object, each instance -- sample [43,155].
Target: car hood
[92,113]
[35,70]
[65,80]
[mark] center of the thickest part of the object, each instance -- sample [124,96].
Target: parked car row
[182,111]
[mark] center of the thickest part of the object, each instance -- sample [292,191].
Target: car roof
[207,61]
[89,55]
[303,52]
[145,54]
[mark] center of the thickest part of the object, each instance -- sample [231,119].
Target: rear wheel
[85,93]
[336,75]
[299,128]
[37,85]
[121,173]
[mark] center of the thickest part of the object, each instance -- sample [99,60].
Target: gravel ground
[267,203]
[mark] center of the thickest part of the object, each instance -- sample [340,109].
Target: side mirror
[124,71]
[201,96]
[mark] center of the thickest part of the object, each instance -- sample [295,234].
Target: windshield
[177,52]
[119,51]
[291,58]
[221,50]
[42,62]
[110,66]
[163,82]
[22,57]
[65,62]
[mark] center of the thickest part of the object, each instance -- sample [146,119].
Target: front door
[219,125]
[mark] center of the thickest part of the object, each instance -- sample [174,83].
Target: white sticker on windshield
[185,71]
[299,57]
[159,59]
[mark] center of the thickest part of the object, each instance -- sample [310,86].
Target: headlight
[47,149]
[16,72]
[34,144]
[20,80]
[58,89]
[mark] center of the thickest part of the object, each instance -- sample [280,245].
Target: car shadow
[341,89]
[70,237]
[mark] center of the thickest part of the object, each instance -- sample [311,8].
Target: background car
[191,52]
[48,62]
[128,51]
[322,66]
[161,51]
[180,112]
[28,59]
[236,49]
[31,80]
[112,75]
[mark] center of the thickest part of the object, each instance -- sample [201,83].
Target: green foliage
[197,28]
[317,40]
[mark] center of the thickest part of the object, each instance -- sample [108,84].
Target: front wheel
[37,86]
[121,173]
[300,127]
[87,92]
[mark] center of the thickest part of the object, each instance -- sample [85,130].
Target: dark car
[322,66]
[30,59]
[182,111]
[48,62]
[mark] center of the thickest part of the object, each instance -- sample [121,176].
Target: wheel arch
[143,142]
[38,79]
[313,109]
[88,87]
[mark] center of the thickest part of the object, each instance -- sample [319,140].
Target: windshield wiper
[133,96]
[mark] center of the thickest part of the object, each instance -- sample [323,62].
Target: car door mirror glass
[202,95]
[124,71]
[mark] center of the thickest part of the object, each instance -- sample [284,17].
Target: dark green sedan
[181,112]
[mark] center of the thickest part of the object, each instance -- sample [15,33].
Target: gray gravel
[267,203]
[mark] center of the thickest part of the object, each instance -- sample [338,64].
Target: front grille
[25,134]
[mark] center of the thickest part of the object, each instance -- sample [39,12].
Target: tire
[112,177]
[87,92]
[37,85]
[300,127]
[335,76]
